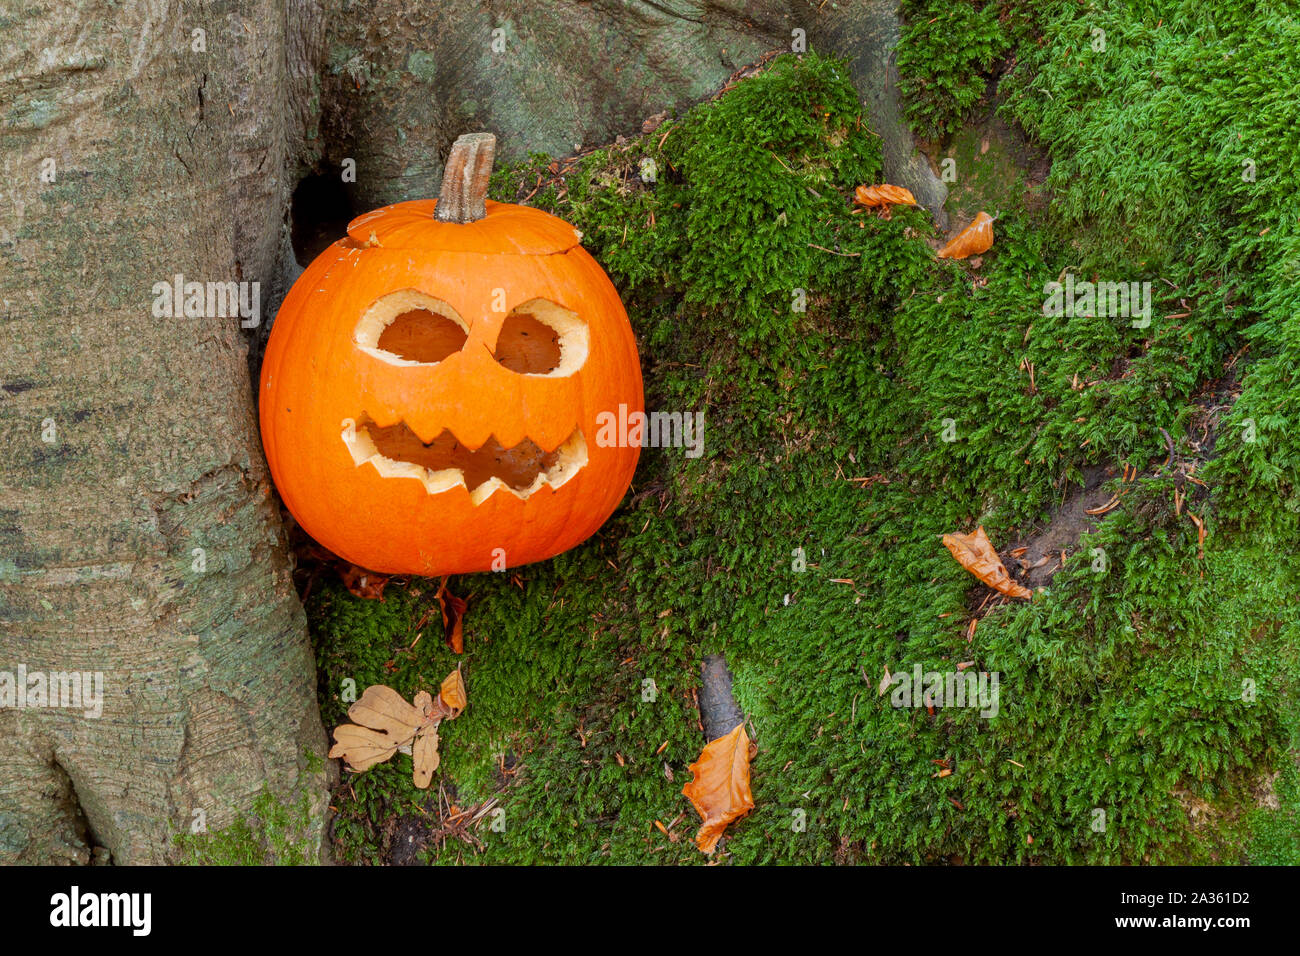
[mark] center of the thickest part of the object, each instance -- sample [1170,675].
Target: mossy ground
[1121,690]
[277,832]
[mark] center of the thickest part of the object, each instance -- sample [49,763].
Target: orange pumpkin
[435,382]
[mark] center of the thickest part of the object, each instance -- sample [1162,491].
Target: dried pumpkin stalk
[465,179]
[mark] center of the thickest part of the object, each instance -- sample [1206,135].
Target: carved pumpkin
[432,385]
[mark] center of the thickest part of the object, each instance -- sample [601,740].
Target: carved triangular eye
[540,337]
[411,328]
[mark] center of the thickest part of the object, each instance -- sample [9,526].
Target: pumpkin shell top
[317,378]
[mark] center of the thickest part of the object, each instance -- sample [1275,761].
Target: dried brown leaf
[975,553]
[719,789]
[453,616]
[424,754]
[973,240]
[384,709]
[1200,535]
[452,692]
[884,683]
[362,747]
[362,583]
[392,725]
[883,195]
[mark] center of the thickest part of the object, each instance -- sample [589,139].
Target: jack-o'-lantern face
[431,391]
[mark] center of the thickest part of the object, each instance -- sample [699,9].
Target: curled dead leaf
[362,583]
[1200,535]
[719,789]
[885,681]
[883,195]
[971,241]
[452,692]
[453,615]
[975,553]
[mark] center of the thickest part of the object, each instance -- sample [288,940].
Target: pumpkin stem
[465,178]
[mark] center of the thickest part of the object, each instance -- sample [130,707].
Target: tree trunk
[138,534]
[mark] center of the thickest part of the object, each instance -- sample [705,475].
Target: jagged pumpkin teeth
[432,379]
[446,461]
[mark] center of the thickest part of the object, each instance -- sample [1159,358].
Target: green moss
[276,833]
[946,54]
[987,175]
[1121,691]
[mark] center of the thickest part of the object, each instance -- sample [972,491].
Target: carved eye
[411,328]
[540,337]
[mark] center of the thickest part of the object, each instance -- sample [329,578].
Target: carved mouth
[442,464]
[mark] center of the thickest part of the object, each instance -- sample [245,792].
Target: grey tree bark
[552,77]
[135,149]
[139,539]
